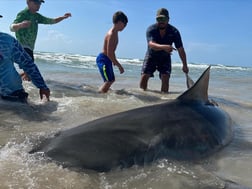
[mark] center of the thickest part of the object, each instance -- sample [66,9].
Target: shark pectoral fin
[233,185]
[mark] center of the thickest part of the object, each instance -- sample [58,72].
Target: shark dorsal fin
[199,91]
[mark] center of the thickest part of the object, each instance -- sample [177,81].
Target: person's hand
[169,49]
[25,24]
[67,15]
[44,92]
[25,77]
[121,69]
[185,69]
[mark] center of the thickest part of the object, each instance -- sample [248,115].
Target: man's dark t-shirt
[172,36]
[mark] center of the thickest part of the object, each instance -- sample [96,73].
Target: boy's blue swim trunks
[105,67]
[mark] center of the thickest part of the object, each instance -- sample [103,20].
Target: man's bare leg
[165,83]
[144,81]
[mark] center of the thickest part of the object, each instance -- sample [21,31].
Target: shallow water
[75,100]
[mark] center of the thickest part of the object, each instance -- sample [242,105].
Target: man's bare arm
[182,56]
[158,47]
[111,48]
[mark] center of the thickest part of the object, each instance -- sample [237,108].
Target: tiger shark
[189,127]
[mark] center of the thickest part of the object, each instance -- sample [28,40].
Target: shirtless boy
[107,57]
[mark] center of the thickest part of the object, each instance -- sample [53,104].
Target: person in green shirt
[26,23]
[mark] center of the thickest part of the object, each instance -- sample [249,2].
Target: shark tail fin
[189,81]
[199,90]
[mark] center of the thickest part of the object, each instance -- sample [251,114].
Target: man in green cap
[26,23]
[160,38]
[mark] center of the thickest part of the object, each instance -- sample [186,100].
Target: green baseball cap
[162,13]
[38,1]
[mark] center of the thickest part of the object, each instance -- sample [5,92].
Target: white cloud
[52,40]
[55,36]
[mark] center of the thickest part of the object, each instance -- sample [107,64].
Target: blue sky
[213,31]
